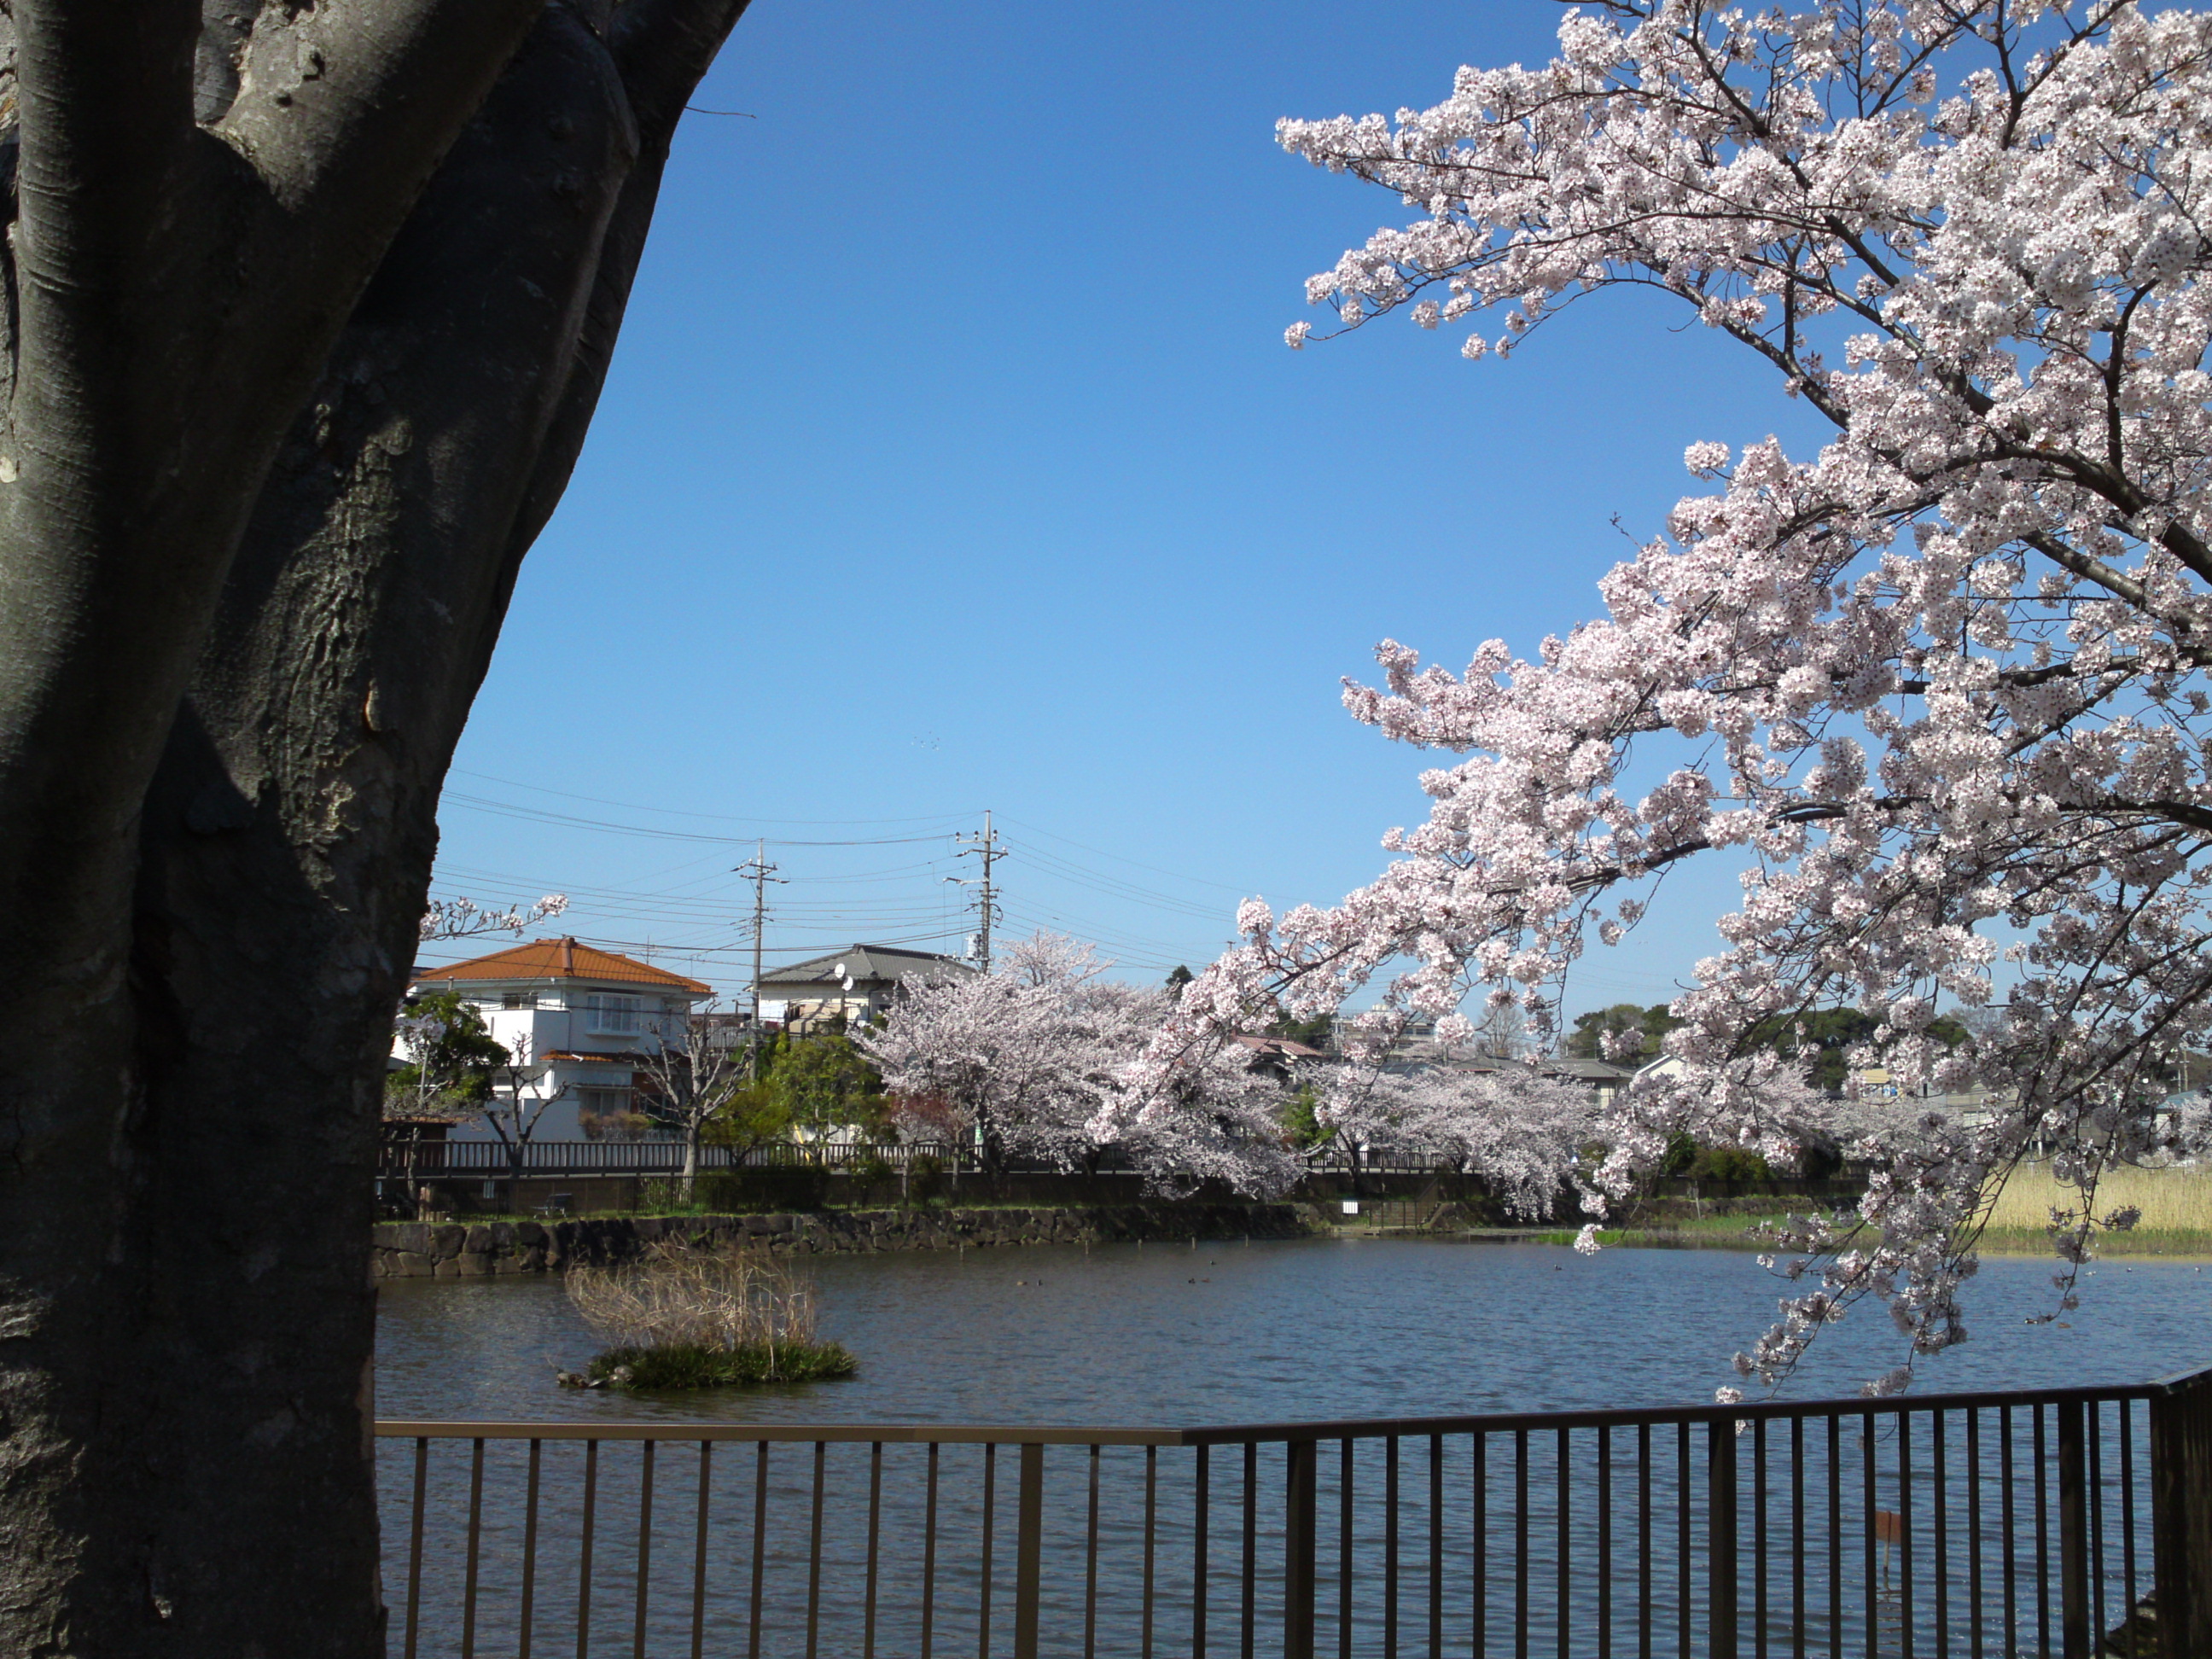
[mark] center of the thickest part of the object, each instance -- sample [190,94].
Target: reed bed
[2176,1203]
[2173,1200]
[691,1319]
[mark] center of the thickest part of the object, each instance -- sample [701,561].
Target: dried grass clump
[681,1318]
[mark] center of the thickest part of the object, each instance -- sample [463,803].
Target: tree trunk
[271,495]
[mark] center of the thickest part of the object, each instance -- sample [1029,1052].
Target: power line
[602,826]
[1227,887]
[718,817]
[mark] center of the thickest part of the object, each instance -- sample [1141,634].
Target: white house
[858,982]
[583,1017]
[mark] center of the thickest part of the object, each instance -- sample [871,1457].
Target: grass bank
[1718,1232]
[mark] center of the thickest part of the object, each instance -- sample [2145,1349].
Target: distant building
[1280,1049]
[1602,1078]
[858,982]
[587,1017]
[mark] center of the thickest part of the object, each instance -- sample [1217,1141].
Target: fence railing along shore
[449,1160]
[2032,1522]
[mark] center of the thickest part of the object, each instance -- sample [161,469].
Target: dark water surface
[896,1549]
[1300,1330]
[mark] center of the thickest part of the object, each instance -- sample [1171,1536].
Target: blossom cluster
[463,918]
[1939,687]
[1040,1059]
[1520,1133]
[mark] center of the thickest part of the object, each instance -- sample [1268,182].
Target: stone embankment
[477,1249]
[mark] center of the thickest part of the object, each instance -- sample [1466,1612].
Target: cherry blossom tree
[1520,1133]
[1939,686]
[1018,1061]
[463,918]
[1215,1117]
[1037,1058]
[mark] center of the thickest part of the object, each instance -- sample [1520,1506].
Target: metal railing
[447,1160]
[2032,1522]
[434,1160]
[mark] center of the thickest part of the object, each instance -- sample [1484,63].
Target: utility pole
[985,846]
[760,872]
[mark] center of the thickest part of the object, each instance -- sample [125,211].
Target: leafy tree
[1302,1118]
[306,310]
[1836,1039]
[1942,682]
[1178,977]
[454,1060]
[750,1116]
[1648,1027]
[826,1084]
[1317,1032]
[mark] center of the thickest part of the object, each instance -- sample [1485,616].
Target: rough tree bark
[306,310]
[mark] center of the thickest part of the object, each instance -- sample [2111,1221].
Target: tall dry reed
[2177,1199]
[714,1301]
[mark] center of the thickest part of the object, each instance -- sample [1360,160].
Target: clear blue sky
[952,459]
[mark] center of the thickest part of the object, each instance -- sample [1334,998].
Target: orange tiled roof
[560,958]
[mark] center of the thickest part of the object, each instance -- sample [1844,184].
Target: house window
[519,1000]
[605,1012]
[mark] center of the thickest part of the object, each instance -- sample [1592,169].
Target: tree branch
[663,47]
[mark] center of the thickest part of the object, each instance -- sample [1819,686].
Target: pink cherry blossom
[1938,687]
[1041,1060]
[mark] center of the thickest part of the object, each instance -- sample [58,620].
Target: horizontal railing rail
[2046,1522]
[444,1160]
[436,1159]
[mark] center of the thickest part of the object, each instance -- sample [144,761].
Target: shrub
[925,1177]
[799,1186]
[686,1365]
[1681,1153]
[871,1168]
[1730,1164]
[689,1319]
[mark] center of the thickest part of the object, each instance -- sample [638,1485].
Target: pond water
[800,1550]
[1231,1333]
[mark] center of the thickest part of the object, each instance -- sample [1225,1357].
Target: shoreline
[504,1246]
[2010,1242]
[483,1248]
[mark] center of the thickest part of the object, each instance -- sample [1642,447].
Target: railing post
[2073,1534]
[2181,1517]
[1721,1536]
[1028,1550]
[1298,1547]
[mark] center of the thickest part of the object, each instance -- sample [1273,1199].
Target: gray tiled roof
[879,964]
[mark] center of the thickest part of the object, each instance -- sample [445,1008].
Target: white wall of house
[577,1018]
